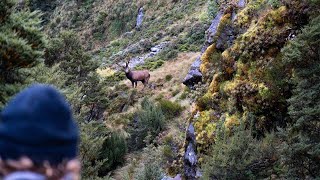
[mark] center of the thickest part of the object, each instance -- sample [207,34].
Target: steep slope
[245,87]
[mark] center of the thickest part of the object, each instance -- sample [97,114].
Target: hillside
[233,92]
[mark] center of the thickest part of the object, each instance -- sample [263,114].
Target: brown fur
[135,76]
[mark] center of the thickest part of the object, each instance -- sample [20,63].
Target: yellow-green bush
[205,126]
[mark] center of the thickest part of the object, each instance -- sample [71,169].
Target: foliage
[21,46]
[150,122]
[170,109]
[274,3]
[46,6]
[240,156]
[213,8]
[150,171]
[66,49]
[168,77]
[302,54]
[93,136]
[113,149]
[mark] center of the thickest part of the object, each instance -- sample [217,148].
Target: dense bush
[151,170]
[22,44]
[46,6]
[213,8]
[150,121]
[67,50]
[170,109]
[93,136]
[113,150]
[302,54]
[240,156]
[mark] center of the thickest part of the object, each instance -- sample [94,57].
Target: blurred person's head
[38,136]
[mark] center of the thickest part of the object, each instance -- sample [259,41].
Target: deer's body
[135,76]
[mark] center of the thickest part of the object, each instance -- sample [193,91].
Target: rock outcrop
[194,75]
[190,156]
[140,18]
[223,36]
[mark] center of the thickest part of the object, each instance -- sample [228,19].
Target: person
[38,137]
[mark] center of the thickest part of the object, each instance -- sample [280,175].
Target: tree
[66,49]
[46,6]
[22,45]
[303,55]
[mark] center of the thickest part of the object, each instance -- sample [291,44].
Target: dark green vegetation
[259,102]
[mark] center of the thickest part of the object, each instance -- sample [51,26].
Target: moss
[205,127]
[228,63]
[206,58]
[225,21]
[232,120]
[204,102]
[215,84]
[264,91]
[249,12]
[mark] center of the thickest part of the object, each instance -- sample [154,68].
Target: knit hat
[38,124]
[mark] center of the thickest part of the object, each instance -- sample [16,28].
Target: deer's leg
[147,79]
[144,83]
[136,83]
[132,84]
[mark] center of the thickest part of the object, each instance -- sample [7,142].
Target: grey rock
[194,75]
[190,156]
[225,38]
[211,32]
[178,177]
[241,3]
[127,34]
[140,18]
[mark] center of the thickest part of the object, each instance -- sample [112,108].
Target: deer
[135,76]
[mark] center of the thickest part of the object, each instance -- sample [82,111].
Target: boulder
[194,75]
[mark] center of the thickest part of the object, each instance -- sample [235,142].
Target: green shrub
[170,109]
[183,96]
[167,152]
[93,136]
[175,92]
[274,3]
[303,137]
[168,77]
[240,156]
[150,122]
[101,17]
[168,53]
[213,8]
[22,45]
[151,64]
[159,97]
[114,148]
[150,171]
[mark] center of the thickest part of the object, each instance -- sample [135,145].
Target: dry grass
[178,68]
[105,72]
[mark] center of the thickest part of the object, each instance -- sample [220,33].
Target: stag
[135,76]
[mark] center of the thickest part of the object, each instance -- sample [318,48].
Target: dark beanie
[38,124]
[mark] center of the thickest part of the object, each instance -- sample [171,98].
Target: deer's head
[127,68]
